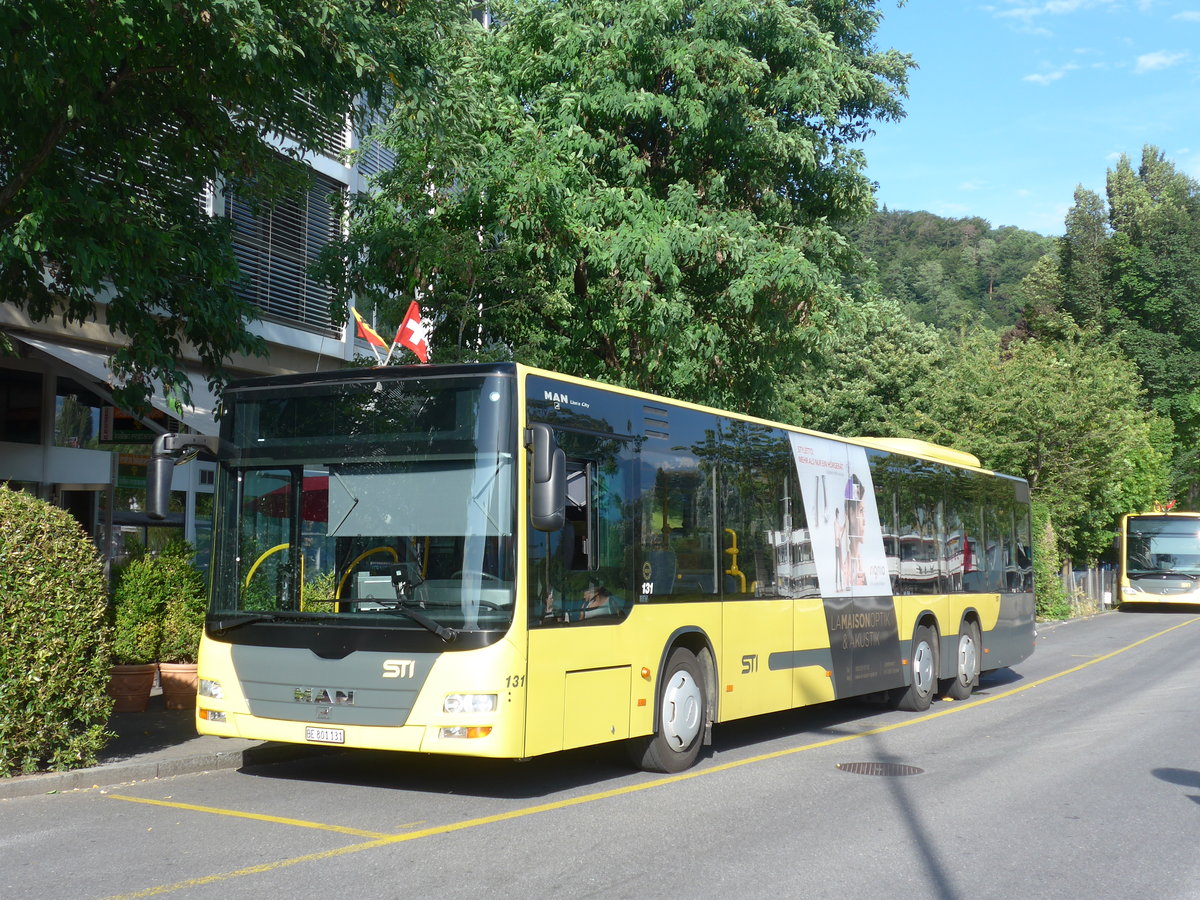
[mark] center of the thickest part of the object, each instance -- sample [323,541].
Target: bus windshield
[1162,544]
[378,503]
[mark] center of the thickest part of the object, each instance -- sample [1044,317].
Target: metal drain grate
[878,768]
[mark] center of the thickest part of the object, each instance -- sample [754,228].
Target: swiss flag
[412,334]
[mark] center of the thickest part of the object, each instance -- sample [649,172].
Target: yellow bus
[499,561]
[1160,558]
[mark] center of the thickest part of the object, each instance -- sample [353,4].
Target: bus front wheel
[922,671]
[676,743]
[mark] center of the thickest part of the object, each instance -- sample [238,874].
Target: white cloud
[1161,59]
[1189,15]
[1045,78]
[1027,12]
[973,185]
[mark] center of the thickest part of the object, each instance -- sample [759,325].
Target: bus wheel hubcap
[681,712]
[967,660]
[923,668]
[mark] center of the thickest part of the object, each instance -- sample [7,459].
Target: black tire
[922,672]
[682,715]
[968,659]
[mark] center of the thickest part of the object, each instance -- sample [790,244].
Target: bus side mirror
[167,450]
[158,485]
[548,493]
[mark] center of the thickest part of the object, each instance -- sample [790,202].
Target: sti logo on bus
[399,668]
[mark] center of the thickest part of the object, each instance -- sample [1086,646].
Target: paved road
[1077,774]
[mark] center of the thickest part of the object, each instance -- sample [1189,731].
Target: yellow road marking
[278,820]
[386,840]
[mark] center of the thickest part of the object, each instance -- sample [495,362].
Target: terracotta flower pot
[130,686]
[178,685]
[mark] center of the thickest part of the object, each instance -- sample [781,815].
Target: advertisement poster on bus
[847,545]
[843,520]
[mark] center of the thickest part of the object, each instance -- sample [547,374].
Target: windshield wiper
[446,634]
[228,623]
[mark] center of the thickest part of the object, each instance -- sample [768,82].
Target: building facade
[64,439]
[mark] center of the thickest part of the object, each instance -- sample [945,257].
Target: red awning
[315,500]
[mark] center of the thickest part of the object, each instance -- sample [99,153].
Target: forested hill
[951,272]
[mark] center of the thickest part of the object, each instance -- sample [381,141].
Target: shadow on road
[1188,778]
[1158,608]
[591,768]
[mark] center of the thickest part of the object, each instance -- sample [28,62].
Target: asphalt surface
[157,743]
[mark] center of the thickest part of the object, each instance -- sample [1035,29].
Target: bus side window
[577,531]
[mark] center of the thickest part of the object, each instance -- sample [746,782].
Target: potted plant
[182,626]
[137,612]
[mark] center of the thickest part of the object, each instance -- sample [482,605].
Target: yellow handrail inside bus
[258,562]
[337,595]
[732,550]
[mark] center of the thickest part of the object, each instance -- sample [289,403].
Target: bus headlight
[470,703]
[209,688]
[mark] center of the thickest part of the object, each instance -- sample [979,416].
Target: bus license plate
[325,735]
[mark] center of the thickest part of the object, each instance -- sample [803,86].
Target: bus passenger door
[578,594]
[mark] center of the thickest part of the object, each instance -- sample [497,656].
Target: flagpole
[360,330]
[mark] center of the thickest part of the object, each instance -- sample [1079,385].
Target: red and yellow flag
[366,332]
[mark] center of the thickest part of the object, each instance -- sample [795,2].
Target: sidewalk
[157,743]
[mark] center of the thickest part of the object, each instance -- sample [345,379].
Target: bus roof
[916,447]
[902,446]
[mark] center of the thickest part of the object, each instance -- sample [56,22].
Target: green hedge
[54,640]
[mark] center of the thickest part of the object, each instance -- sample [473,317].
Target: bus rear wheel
[966,675]
[676,743]
[922,671]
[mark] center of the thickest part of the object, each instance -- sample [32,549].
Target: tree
[1132,271]
[115,115]
[1082,267]
[867,377]
[649,193]
[1066,415]
[951,273]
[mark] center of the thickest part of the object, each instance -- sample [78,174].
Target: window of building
[20,407]
[274,247]
[76,416]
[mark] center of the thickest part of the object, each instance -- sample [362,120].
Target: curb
[111,774]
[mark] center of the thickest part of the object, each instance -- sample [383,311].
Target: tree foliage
[951,273]
[1130,269]
[115,115]
[646,192]
[867,377]
[1067,415]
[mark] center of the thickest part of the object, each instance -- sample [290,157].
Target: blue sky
[1018,101]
